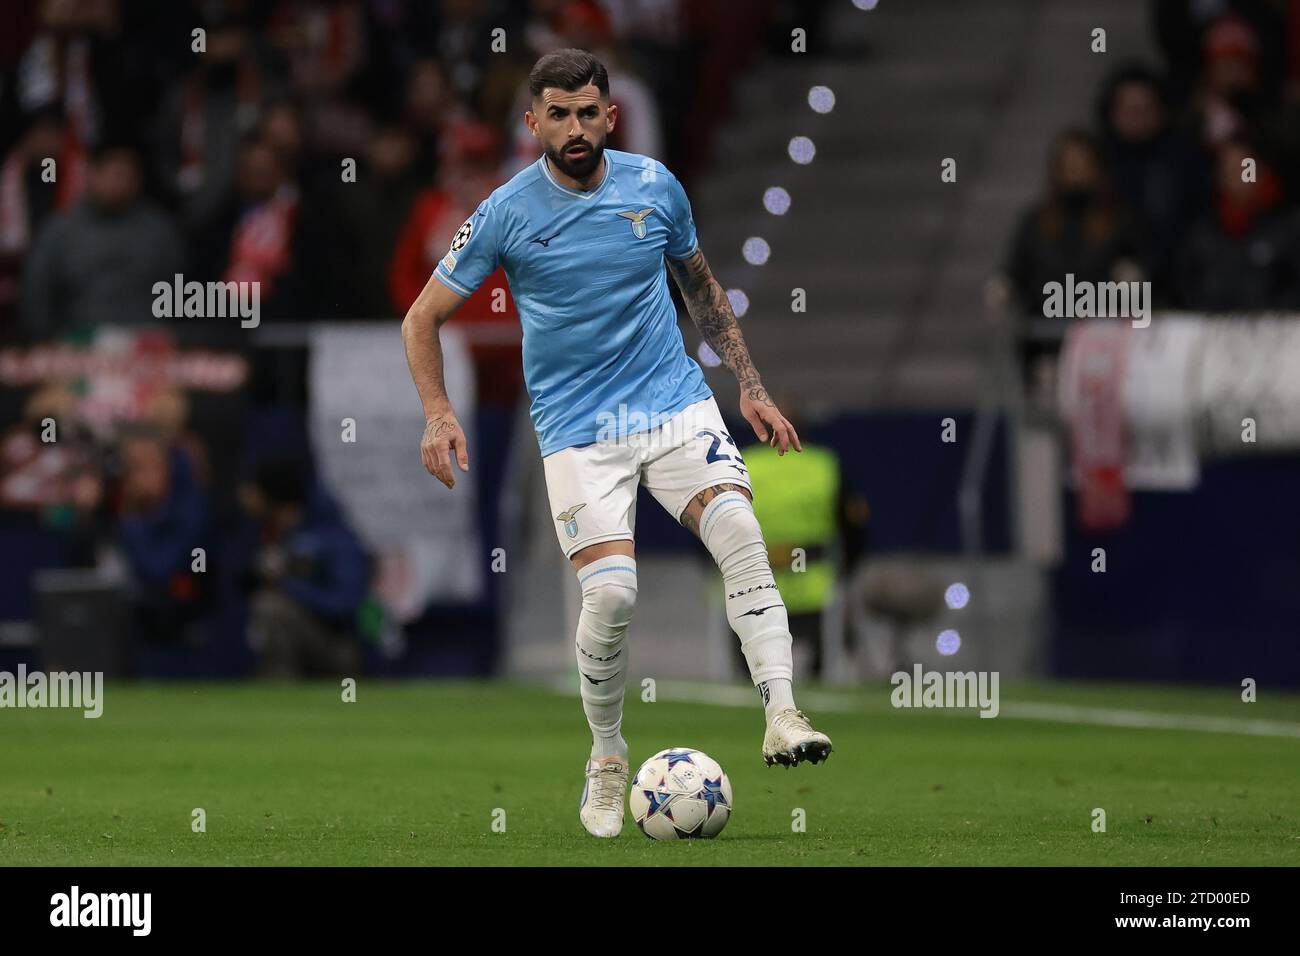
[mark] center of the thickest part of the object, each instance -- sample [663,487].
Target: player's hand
[444,437]
[766,419]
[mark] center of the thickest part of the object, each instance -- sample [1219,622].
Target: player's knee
[609,590]
[730,530]
[612,603]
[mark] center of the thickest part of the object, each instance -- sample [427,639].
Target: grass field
[412,772]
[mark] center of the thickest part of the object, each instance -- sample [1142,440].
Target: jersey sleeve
[475,251]
[682,241]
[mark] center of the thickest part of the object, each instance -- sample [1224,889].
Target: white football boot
[601,808]
[790,739]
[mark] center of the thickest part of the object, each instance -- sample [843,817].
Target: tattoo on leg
[689,521]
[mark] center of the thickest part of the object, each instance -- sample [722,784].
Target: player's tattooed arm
[711,312]
[443,435]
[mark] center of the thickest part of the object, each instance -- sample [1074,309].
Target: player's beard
[582,168]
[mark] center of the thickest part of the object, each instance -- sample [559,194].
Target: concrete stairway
[893,259]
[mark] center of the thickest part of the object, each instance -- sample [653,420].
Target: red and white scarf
[261,247]
[1094,362]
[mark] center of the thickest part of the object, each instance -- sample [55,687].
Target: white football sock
[777,694]
[608,599]
[757,614]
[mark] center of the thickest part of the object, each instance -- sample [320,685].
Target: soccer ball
[679,794]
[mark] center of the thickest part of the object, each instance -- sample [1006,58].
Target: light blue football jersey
[586,269]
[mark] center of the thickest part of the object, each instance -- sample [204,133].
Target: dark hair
[1076,137]
[1131,72]
[1103,217]
[568,70]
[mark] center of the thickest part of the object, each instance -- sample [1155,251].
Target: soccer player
[583,235]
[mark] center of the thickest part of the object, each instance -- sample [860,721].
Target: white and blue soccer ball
[680,794]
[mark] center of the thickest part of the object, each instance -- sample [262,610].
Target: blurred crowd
[216,138]
[1158,188]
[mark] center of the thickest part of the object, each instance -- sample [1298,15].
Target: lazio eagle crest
[570,519]
[638,220]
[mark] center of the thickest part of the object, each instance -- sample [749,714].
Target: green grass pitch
[411,773]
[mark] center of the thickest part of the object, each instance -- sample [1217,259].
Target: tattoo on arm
[711,312]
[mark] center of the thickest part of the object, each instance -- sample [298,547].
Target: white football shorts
[592,488]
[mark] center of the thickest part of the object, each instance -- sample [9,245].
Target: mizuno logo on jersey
[544,243]
[638,220]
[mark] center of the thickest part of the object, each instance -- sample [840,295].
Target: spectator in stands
[317,291]
[429,106]
[1185,30]
[372,212]
[1231,95]
[1245,252]
[168,412]
[44,476]
[323,45]
[277,239]
[97,262]
[280,127]
[78,64]
[308,578]
[163,515]
[1080,226]
[467,177]
[201,124]
[262,238]
[27,197]
[465,42]
[398,35]
[1160,173]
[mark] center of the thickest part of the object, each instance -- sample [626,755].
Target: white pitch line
[731,695]
[1064,713]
